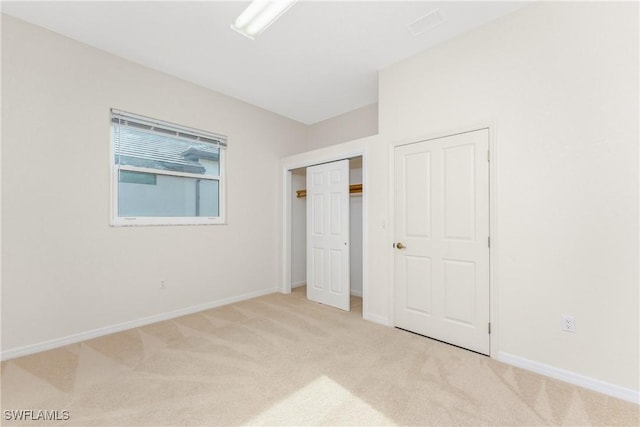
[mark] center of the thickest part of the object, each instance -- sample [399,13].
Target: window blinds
[134,121]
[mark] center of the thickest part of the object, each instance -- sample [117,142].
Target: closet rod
[353,188]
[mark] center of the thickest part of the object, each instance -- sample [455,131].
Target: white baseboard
[298,284]
[571,377]
[376,319]
[356,293]
[94,333]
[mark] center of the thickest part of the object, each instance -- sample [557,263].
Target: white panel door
[441,202]
[328,234]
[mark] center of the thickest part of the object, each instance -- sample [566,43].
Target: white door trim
[311,159]
[493,222]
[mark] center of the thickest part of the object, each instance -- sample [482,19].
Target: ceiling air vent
[426,23]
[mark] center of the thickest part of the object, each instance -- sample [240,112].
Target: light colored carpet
[282,360]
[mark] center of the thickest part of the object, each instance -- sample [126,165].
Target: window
[165,174]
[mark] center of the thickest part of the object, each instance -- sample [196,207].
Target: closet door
[328,234]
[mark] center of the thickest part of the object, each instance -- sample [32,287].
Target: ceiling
[320,59]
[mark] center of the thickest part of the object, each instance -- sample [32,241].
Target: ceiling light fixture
[259,15]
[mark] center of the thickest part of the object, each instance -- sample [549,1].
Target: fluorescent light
[259,15]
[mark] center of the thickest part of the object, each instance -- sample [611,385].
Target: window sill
[146,222]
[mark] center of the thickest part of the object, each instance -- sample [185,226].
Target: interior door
[328,234]
[442,239]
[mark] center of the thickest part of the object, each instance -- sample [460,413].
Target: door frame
[493,223]
[310,159]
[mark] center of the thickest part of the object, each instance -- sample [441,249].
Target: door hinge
[489,327]
[489,241]
[488,156]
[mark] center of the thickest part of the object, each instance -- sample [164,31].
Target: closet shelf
[353,188]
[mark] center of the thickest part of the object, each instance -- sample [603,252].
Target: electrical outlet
[163,285]
[568,323]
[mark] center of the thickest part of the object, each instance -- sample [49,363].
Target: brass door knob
[400,245]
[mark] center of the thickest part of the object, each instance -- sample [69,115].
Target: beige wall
[558,83]
[355,124]
[64,270]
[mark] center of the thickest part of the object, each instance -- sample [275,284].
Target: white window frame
[118,221]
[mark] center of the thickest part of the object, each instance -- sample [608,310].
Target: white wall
[64,270]
[558,82]
[349,126]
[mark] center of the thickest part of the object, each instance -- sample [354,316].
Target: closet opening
[298,233]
